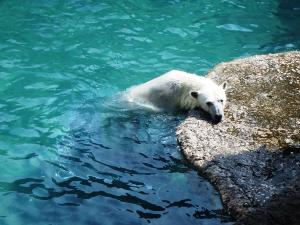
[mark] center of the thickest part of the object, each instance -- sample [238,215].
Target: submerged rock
[253,156]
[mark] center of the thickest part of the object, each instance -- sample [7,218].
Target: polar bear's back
[169,91]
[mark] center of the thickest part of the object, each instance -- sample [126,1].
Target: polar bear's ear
[224,85]
[194,94]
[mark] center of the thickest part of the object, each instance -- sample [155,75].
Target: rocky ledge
[253,156]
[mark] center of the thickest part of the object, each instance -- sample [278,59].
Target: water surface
[68,152]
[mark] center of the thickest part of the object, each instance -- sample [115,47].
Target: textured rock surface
[253,156]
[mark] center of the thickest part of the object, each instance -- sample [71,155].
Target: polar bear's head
[212,99]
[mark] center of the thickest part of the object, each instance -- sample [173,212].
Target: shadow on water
[134,152]
[289,15]
[288,32]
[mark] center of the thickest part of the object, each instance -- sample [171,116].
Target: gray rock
[253,156]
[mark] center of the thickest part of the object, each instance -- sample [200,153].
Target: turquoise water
[68,153]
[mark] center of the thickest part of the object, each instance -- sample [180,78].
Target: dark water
[69,154]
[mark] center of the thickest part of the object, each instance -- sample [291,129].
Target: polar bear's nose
[217,118]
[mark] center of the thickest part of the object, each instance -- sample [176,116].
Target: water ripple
[234,27]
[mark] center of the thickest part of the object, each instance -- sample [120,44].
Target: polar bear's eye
[194,94]
[209,103]
[221,100]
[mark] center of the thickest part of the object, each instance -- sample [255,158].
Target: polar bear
[178,90]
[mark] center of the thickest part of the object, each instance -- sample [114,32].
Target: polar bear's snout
[216,111]
[217,118]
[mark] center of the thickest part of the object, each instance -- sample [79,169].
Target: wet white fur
[172,91]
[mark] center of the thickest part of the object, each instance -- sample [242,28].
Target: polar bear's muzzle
[216,112]
[217,118]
